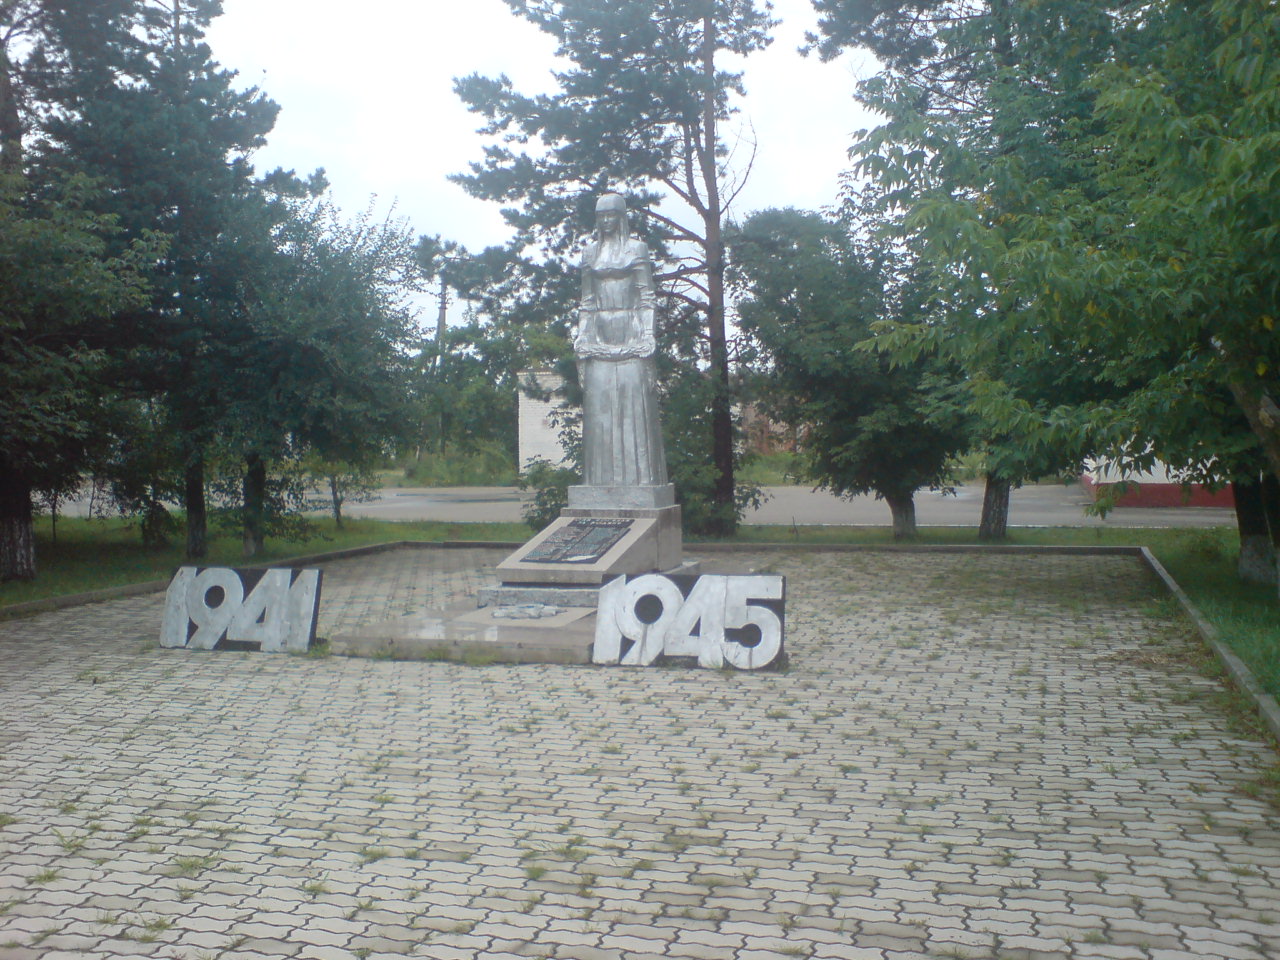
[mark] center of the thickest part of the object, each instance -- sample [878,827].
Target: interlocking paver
[969,755]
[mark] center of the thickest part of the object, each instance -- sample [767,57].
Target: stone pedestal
[588,545]
[532,634]
[544,609]
[603,533]
[622,497]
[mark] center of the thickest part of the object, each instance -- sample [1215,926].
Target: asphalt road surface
[1046,505]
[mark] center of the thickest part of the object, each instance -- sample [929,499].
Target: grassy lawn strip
[91,554]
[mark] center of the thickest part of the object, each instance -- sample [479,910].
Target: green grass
[771,469]
[488,466]
[1039,536]
[90,554]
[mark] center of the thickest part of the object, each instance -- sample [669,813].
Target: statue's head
[611,214]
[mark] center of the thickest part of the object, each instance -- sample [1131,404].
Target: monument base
[516,594]
[588,546]
[532,634]
[622,497]
[544,610]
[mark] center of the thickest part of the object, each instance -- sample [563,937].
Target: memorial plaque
[584,540]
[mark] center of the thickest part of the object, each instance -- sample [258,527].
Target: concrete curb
[16,611]
[1046,549]
[1240,674]
[47,604]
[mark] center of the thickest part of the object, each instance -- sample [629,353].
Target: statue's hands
[587,348]
[621,351]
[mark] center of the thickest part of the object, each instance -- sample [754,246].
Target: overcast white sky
[365,92]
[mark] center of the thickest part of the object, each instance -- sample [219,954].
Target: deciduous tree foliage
[810,297]
[1189,157]
[640,109]
[323,366]
[1104,199]
[979,100]
[465,376]
[59,285]
[161,300]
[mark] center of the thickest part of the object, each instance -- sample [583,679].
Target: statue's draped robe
[621,434]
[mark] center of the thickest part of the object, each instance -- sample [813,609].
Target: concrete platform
[969,756]
[467,634]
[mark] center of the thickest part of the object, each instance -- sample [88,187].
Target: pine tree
[61,283]
[174,144]
[641,110]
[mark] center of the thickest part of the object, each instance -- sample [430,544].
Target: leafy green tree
[466,387]
[137,473]
[982,103]
[466,374]
[346,482]
[1189,114]
[640,109]
[323,366]
[1146,251]
[810,298]
[60,286]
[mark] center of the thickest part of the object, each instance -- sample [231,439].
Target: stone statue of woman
[621,435]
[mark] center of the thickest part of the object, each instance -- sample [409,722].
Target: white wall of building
[538,437]
[1106,471]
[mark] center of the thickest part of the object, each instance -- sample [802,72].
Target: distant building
[539,439]
[1152,488]
[763,436]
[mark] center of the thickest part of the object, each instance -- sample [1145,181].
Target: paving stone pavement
[970,756]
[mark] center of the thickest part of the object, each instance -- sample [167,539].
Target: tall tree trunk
[1271,506]
[336,496]
[1263,414]
[994,524]
[1257,562]
[197,515]
[17,534]
[725,521]
[442,316]
[903,511]
[10,119]
[255,492]
[438,365]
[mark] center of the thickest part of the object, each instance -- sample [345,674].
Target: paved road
[970,756]
[1044,505]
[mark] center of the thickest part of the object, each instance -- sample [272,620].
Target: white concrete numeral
[740,611]
[693,625]
[277,615]
[212,621]
[698,628]
[649,638]
[607,647]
